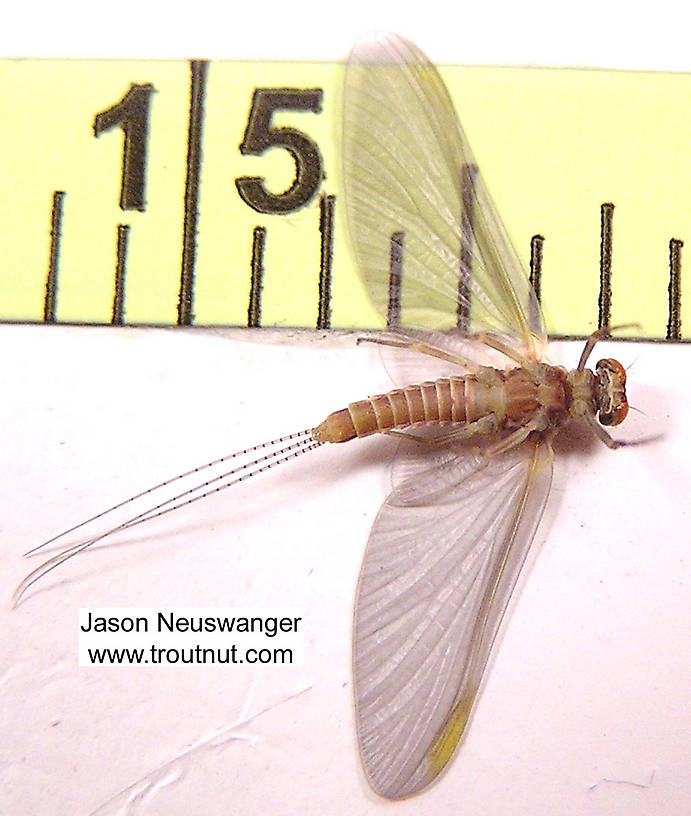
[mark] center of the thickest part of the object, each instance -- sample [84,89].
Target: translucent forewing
[440,566]
[409,172]
[448,544]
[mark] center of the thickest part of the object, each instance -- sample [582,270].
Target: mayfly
[472,480]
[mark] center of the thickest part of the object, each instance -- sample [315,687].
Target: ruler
[209,193]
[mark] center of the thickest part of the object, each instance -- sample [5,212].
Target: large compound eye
[616,416]
[615,367]
[616,409]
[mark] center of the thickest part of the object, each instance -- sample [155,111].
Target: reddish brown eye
[615,367]
[616,416]
[622,412]
[612,400]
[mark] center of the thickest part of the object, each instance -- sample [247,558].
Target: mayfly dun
[475,468]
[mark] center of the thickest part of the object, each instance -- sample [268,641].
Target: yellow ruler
[209,193]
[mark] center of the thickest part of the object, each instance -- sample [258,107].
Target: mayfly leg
[601,334]
[422,348]
[279,450]
[458,359]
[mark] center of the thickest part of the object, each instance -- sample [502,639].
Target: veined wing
[413,194]
[440,566]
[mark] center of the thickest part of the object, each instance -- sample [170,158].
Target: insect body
[475,465]
[406,607]
[538,398]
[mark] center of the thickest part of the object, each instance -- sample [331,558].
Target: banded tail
[276,452]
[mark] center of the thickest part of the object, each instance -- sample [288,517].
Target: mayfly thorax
[447,546]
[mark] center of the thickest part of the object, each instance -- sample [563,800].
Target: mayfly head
[610,392]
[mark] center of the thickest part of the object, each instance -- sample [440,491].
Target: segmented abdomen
[452,399]
[511,396]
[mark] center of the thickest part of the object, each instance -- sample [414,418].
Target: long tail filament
[279,450]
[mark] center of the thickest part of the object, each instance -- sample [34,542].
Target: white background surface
[591,682]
